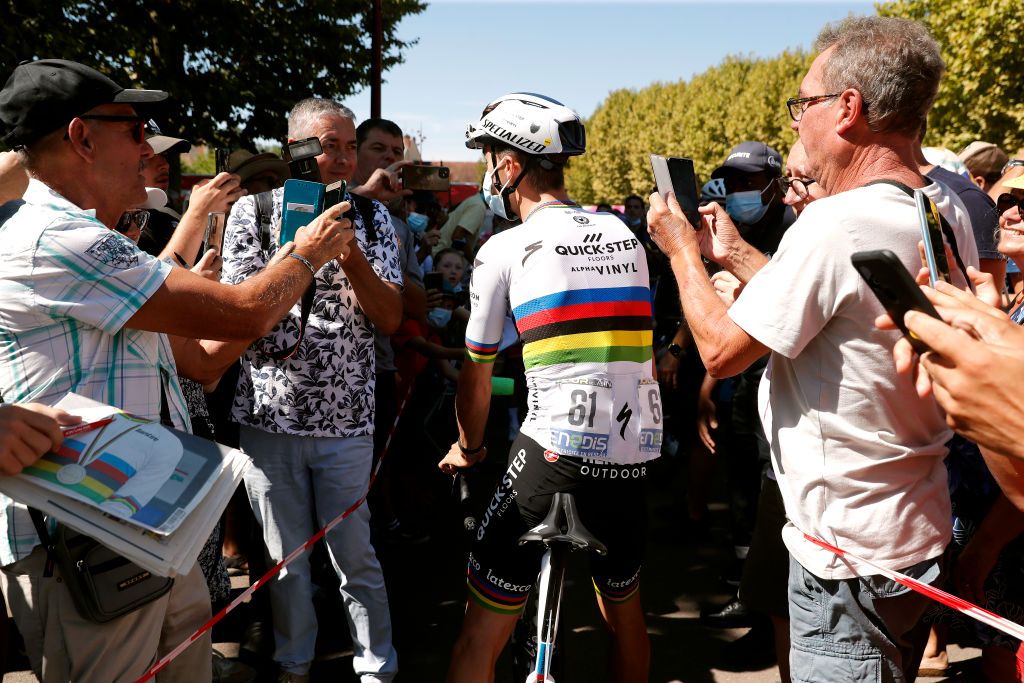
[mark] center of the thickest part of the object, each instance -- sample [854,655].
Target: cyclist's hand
[707,420]
[457,460]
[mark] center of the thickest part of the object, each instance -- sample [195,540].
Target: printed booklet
[146,491]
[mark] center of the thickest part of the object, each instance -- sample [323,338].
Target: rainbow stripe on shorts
[598,325]
[493,598]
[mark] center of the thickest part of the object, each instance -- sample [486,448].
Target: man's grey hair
[306,112]
[894,63]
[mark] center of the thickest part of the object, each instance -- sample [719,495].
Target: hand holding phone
[895,289]
[426,177]
[221,155]
[213,237]
[931,236]
[675,174]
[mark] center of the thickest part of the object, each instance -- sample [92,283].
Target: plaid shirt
[68,285]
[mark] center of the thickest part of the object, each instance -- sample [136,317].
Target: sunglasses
[138,130]
[798,184]
[1007,201]
[136,219]
[1011,163]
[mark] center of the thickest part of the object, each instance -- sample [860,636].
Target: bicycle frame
[549,606]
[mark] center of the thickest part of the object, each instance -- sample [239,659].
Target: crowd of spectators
[775,361]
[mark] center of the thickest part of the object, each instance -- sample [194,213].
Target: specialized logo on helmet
[551,456]
[518,140]
[582,220]
[534,127]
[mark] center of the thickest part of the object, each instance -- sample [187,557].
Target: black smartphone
[425,177]
[931,235]
[221,155]
[894,287]
[675,174]
[301,157]
[213,237]
[334,194]
[433,281]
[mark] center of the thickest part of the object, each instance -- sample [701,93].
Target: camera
[301,157]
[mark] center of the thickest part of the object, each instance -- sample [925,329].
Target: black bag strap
[364,206]
[264,212]
[264,219]
[947,229]
[44,536]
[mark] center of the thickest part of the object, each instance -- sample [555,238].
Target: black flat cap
[44,95]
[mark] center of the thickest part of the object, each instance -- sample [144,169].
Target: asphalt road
[427,592]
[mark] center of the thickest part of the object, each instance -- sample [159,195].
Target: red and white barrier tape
[273,571]
[1008,627]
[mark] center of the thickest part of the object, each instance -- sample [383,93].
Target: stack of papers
[151,493]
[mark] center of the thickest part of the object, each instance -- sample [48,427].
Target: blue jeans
[295,480]
[849,630]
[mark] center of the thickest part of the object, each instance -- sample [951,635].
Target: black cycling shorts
[611,500]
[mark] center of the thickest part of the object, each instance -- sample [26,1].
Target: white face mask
[498,203]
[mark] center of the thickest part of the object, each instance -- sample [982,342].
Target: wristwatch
[675,349]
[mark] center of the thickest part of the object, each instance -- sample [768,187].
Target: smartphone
[301,157]
[221,155]
[303,201]
[213,238]
[425,177]
[894,287]
[931,235]
[675,174]
[433,281]
[334,194]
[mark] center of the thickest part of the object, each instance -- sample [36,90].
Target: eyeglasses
[138,130]
[1007,201]
[798,184]
[1011,163]
[798,105]
[132,219]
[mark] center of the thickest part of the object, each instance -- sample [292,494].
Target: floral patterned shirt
[326,388]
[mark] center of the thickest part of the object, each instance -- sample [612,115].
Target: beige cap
[245,164]
[983,158]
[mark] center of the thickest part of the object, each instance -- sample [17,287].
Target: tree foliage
[233,67]
[740,99]
[982,95]
[981,98]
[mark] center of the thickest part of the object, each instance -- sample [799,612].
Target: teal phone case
[303,201]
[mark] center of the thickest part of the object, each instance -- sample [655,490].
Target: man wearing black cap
[753,200]
[82,311]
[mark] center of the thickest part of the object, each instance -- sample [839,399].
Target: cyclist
[576,285]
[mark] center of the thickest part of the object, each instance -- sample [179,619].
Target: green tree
[982,95]
[740,99]
[233,68]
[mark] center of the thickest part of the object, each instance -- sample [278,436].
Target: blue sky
[576,51]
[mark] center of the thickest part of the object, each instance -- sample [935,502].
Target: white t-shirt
[859,457]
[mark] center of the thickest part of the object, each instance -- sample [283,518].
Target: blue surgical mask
[439,317]
[498,203]
[745,207]
[417,222]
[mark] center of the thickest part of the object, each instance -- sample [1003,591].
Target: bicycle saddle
[562,525]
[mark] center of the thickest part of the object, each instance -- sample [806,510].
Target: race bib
[581,418]
[651,416]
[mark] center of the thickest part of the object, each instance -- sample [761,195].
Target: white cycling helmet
[534,124]
[713,191]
